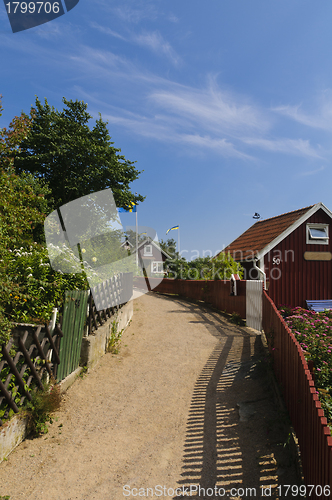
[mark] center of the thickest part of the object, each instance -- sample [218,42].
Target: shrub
[220,267]
[236,318]
[114,339]
[41,407]
[31,288]
[313,331]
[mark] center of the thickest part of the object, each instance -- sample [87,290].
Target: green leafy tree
[11,137]
[21,215]
[29,289]
[72,158]
[205,268]
[23,202]
[131,237]
[169,246]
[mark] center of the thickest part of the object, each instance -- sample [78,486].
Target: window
[317,234]
[148,250]
[157,267]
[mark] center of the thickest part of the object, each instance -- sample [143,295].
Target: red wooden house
[292,253]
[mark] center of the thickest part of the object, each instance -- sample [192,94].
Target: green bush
[313,331]
[31,288]
[114,339]
[41,407]
[236,318]
[220,267]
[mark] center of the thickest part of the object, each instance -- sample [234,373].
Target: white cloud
[311,172]
[101,63]
[320,117]
[209,118]
[143,126]
[152,106]
[222,146]
[155,42]
[135,16]
[213,109]
[173,19]
[298,147]
[157,128]
[106,30]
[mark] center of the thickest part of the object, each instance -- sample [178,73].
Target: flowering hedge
[32,287]
[313,331]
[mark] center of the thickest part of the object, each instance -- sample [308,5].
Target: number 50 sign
[25,15]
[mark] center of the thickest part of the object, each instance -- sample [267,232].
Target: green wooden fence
[73,322]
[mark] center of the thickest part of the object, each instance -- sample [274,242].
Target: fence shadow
[233,425]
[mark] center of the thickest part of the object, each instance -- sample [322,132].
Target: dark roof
[150,241]
[262,233]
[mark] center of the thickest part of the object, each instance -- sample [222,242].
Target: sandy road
[185,404]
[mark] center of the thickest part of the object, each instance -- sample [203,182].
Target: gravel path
[185,404]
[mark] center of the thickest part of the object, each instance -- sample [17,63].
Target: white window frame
[157,263]
[147,250]
[317,240]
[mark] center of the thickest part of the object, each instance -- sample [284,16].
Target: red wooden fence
[300,395]
[216,293]
[291,370]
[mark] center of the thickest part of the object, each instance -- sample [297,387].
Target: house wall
[249,272]
[294,280]
[147,260]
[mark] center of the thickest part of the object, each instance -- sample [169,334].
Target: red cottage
[292,253]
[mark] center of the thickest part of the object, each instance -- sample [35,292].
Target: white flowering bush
[33,288]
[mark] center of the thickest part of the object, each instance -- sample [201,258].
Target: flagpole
[136,240]
[179,241]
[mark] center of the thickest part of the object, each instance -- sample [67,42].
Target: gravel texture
[185,404]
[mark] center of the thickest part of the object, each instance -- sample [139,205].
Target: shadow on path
[235,432]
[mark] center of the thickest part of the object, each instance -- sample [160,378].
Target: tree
[169,246]
[205,268]
[73,159]
[22,203]
[28,286]
[131,237]
[22,210]
[11,138]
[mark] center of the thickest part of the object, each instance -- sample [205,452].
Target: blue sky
[226,105]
